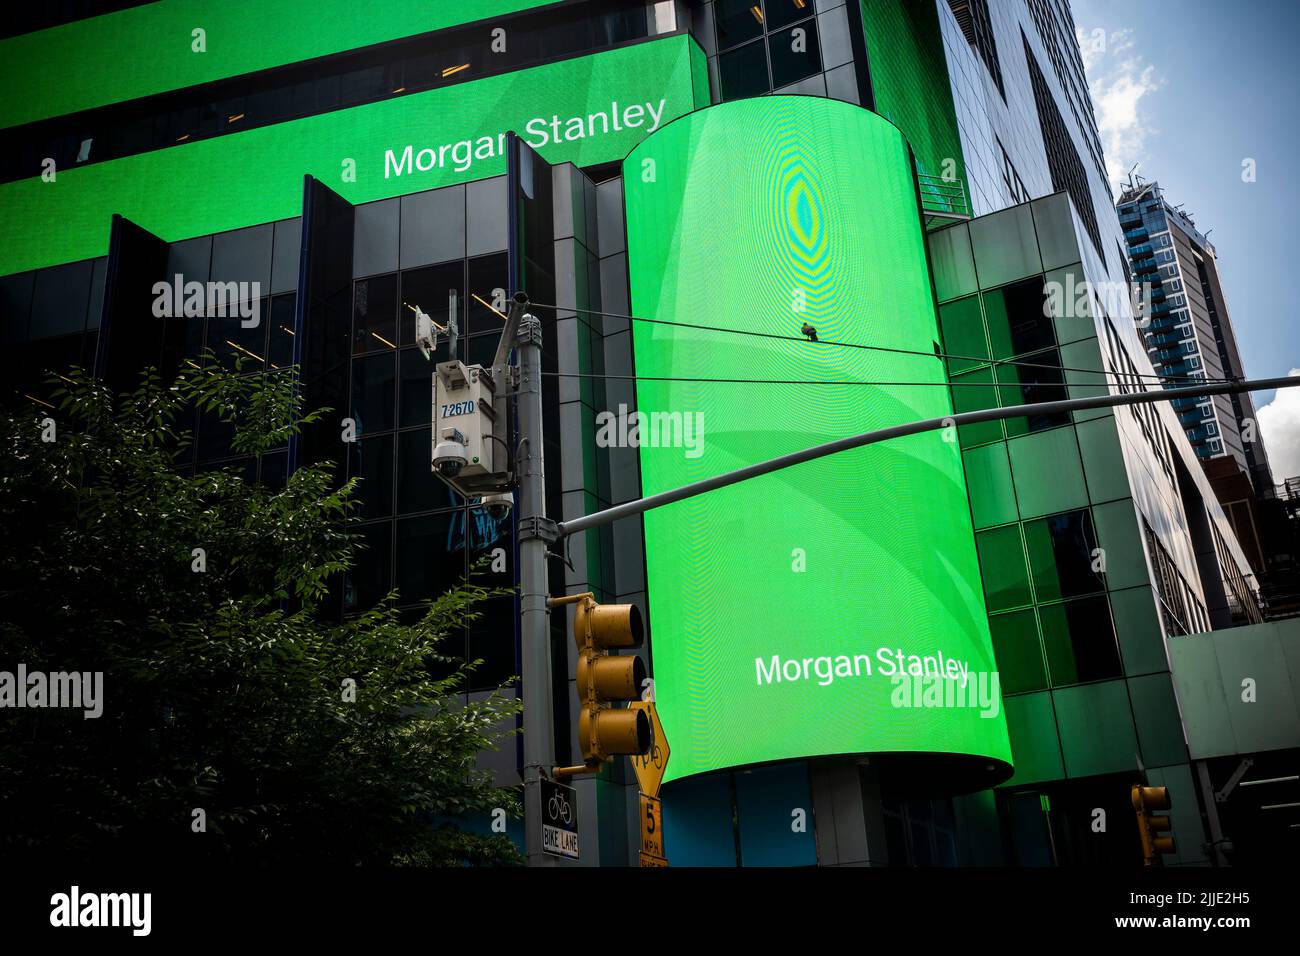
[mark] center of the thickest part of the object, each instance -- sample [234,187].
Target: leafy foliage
[225,689]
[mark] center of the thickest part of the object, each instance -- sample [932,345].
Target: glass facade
[1082,590]
[421,538]
[1087,531]
[765,46]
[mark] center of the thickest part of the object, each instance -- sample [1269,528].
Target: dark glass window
[430,555]
[60,299]
[482,349]
[452,645]
[275,469]
[486,536]
[374,314]
[1063,160]
[362,85]
[371,461]
[780,13]
[1018,318]
[374,396]
[232,341]
[492,642]
[1002,565]
[737,21]
[1018,650]
[1060,556]
[16,306]
[1080,641]
[329,94]
[281,330]
[230,112]
[214,437]
[973,392]
[1038,379]
[371,575]
[795,54]
[744,72]
[211,121]
[488,282]
[431,289]
[963,334]
[418,489]
[417,386]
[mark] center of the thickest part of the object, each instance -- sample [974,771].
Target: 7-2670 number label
[456,408]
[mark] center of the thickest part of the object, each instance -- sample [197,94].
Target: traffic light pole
[642,505]
[536,532]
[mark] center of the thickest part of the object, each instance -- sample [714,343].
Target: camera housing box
[464,414]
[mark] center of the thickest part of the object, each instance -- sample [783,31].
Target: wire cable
[1155,376]
[779,381]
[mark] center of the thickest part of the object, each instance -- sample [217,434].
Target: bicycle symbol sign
[559,808]
[559,819]
[650,766]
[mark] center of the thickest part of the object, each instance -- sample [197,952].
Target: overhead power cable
[975,359]
[782,381]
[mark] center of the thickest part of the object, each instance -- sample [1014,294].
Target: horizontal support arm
[641,505]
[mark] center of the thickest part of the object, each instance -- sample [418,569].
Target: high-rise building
[1190,334]
[1190,338]
[691,184]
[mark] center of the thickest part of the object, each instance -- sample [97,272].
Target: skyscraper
[1190,335]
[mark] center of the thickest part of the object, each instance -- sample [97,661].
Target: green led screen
[585,110]
[780,607]
[150,49]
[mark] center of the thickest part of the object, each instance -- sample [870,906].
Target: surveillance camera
[499,505]
[449,457]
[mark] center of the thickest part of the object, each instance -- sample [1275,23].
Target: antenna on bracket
[453,327]
[426,332]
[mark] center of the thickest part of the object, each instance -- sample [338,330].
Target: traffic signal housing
[605,679]
[1152,825]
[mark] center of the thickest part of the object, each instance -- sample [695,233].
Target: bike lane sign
[559,819]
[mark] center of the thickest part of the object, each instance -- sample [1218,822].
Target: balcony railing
[942,200]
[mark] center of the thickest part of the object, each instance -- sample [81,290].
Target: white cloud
[1279,426]
[1118,80]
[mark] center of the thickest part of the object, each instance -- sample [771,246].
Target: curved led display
[784,609]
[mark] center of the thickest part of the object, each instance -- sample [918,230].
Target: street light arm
[642,505]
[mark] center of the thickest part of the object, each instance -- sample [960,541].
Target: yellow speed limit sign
[652,827]
[650,766]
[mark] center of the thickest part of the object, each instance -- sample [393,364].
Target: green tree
[225,688]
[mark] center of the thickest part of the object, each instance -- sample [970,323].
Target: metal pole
[641,505]
[535,533]
[1208,797]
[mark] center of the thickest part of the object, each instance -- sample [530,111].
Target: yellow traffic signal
[1151,825]
[604,679]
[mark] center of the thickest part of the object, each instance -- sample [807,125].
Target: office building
[914,179]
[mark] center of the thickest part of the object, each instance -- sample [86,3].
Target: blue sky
[1190,89]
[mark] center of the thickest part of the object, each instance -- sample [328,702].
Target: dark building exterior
[346,163]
